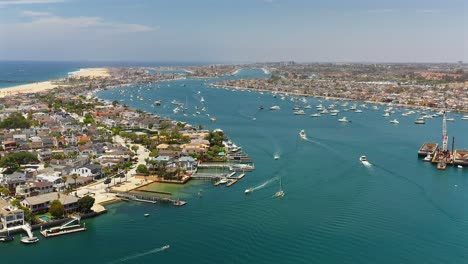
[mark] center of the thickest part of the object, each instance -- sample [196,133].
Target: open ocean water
[335,210]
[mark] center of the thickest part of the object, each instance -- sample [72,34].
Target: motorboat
[343,120]
[242,167]
[394,121]
[386,114]
[334,114]
[450,119]
[358,111]
[302,134]
[465,117]
[29,240]
[213,119]
[202,100]
[308,107]
[428,158]
[146,215]
[299,112]
[364,160]
[315,115]
[158,102]
[165,247]
[275,107]
[248,191]
[460,166]
[6,238]
[276,157]
[420,121]
[280,192]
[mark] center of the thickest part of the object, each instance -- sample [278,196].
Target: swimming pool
[45,218]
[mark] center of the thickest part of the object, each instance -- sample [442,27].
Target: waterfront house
[33,188]
[89,170]
[41,203]
[10,216]
[187,163]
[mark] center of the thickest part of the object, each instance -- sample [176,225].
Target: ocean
[335,210]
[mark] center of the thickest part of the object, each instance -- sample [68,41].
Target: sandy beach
[91,72]
[48,85]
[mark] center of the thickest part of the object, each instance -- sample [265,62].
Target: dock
[64,229]
[149,198]
[428,148]
[231,182]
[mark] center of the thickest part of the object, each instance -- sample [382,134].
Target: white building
[10,216]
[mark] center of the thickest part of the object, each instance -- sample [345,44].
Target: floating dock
[231,182]
[428,148]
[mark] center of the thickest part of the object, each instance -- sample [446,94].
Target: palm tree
[64,180]
[74,176]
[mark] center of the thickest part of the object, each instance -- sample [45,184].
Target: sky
[234,31]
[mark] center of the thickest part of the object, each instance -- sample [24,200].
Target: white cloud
[27,2]
[29,13]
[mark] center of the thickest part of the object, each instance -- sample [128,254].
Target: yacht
[325,111]
[334,114]
[465,117]
[450,119]
[202,100]
[308,107]
[299,112]
[302,134]
[213,119]
[394,121]
[29,240]
[275,107]
[343,120]
[420,121]
[158,102]
[315,115]
[146,215]
[280,192]
[386,114]
[358,111]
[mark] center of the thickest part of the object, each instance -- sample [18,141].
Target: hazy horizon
[243,31]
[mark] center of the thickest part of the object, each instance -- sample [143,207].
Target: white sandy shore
[91,72]
[49,85]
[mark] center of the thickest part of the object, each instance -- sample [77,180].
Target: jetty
[64,229]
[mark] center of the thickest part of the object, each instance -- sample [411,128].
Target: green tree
[85,203]
[4,191]
[15,120]
[135,148]
[74,176]
[56,209]
[142,169]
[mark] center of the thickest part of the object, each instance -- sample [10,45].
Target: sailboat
[280,192]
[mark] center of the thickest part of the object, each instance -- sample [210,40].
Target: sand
[49,85]
[92,72]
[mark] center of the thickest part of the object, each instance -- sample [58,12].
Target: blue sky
[235,30]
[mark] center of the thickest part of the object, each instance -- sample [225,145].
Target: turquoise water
[399,210]
[45,218]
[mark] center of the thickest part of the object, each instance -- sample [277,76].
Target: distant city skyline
[234,31]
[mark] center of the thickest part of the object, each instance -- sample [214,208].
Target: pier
[206,176]
[64,229]
[148,198]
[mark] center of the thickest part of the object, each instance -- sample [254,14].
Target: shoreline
[43,86]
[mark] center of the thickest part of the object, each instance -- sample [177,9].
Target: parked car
[107,181]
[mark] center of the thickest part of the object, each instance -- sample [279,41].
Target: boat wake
[264,184]
[139,255]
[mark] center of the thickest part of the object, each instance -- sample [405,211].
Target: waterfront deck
[428,148]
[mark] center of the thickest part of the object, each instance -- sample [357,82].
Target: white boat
[280,192]
[420,121]
[450,119]
[428,158]
[460,166]
[275,107]
[386,114]
[358,111]
[299,112]
[308,107]
[202,100]
[302,134]
[158,102]
[394,121]
[29,240]
[248,191]
[146,215]
[465,117]
[223,180]
[165,247]
[364,161]
[315,115]
[276,157]
[213,119]
[334,114]
[343,120]
[325,111]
